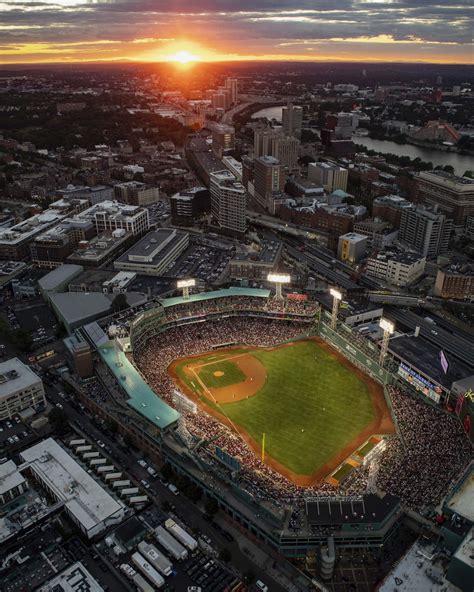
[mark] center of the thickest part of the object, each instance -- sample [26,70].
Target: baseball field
[313,406]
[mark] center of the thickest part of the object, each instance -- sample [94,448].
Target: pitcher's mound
[218,373]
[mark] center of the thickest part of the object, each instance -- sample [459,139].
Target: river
[460,162]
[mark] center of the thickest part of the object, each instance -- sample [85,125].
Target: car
[174,490]
[142,463]
[59,406]
[261,586]
[145,484]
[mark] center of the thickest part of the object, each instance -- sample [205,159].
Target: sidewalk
[266,562]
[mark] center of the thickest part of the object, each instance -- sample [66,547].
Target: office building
[256,263]
[20,388]
[390,207]
[351,247]
[233,85]
[136,193]
[453,195]
[270,143]
[12,483]
[292,120]
[154,253]
[111,215]
[396,267]
[79,354]
[380,234]
[51,248]
[455,280]
[101,249]
[228,202]
[269,179]
[187,206]
[86,502]
[331,176]
[427,231]
[234,166]
[223,139]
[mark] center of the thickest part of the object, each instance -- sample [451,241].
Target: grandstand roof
[141,397]
[335,511]
[252,292]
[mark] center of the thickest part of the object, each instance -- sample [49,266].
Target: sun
[183,57]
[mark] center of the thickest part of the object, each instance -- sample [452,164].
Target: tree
[119,302]
[448,169]
[469,174]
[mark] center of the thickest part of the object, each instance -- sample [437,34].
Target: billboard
[444,361]
[230,461]
[420,383]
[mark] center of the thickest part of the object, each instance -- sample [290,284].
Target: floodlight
[186,283]
[387,326]
[335,294]
[279,278]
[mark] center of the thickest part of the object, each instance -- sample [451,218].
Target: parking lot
[34,317]
[208,264]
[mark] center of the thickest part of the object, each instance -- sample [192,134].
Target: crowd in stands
[435,450]
[244,303]
[435,453]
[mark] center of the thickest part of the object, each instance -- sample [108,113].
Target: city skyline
[208,30]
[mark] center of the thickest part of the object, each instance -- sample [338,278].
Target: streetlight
[388,329]
[336,298]
[278,279]
[185,285]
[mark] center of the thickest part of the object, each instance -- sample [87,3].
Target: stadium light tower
[185,285]
[336,298]
[278,279]
[388,329]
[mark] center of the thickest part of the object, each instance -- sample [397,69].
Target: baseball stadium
[293,422]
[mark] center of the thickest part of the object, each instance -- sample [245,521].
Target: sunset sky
[213,30]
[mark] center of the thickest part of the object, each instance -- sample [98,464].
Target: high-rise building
[284,148]
[187,206]
[427,231]
[136,193]
[455,280]
[331,176]
[228,202]
[453,195]
[232,85]
[223,139]
[292,120]
[269,180]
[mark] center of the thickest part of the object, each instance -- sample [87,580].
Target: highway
[454,344]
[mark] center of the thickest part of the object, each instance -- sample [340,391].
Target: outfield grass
[310,407]
[306,389]
[232,374]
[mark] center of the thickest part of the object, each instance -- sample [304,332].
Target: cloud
[242,28]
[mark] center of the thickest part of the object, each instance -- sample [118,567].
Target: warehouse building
[86,502]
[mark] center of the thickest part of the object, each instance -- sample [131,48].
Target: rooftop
[74,578]
[58,276]
[10,476]
[77,306]
[365,509]
[461,502]
[153,246]
[225,293]
[141,397]
[15,376]
[416,571]
[84,497]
